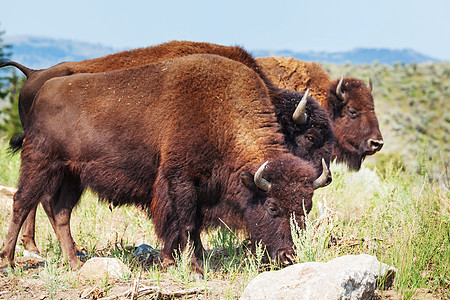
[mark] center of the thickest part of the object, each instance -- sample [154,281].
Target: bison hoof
[76,265]
[199,273]
[6,267]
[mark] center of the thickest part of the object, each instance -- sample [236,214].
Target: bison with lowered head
[348,101]
[186,138]
[308,135]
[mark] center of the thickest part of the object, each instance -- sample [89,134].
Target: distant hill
[356,56]
[41,52]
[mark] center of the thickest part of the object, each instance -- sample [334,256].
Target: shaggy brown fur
[355,123]
[312,140]
[297,75]
[184,143]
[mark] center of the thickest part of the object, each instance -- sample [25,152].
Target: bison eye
[310,138]
[273,208]
[352,113]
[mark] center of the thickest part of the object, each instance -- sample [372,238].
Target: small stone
[99,269]
[143,249]
[146,256]
[33,254]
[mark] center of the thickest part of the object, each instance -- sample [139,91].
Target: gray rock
[346,277]
[146,256]
[98,269]
[6,195]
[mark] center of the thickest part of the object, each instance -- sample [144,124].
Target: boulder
[98,269]
[345,277]
[6,195]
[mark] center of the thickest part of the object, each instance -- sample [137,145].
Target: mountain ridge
[42,52]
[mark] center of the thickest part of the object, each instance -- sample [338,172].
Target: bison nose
[375,145]
[286,256]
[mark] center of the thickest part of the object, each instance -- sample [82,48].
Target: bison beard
[312,140]
[206,124]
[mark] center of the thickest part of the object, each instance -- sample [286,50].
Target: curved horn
[339,92]
[370,84]
[259,180]
[299,116]
[321,181]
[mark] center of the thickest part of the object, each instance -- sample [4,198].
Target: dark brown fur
[312,140]
[181,138]
[355,123]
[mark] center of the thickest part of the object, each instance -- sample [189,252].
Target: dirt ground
[29,285]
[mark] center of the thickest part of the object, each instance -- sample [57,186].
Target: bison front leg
[175,215]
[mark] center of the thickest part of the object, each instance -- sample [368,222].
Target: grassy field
[396,207]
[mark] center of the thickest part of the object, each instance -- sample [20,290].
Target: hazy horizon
[300,26]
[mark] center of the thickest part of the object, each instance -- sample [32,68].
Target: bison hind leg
[59,210]
[176,215]
[38,182]
[28,232]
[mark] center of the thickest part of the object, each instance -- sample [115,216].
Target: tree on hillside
[9,114]
[10,86]
[5,54]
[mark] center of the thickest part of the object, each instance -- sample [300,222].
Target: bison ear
[287,125]
[285,120]
[339,98]
[248,180]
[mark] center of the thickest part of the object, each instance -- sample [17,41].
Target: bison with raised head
[349,103]
[309,135]
[186,138]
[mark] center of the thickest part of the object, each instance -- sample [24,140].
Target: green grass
[402,218]
[9,165]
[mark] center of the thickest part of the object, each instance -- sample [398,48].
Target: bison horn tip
[322,179]
[259,180]
[300,115]
[339,92]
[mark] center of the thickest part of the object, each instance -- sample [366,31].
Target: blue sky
[312,25]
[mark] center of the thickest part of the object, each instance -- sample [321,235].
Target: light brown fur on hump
[147,55]
[294,74]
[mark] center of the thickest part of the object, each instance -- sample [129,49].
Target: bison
[348,101]
[310,137]
[194,140]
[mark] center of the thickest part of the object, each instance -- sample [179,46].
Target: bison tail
[22,68]
[15,144]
